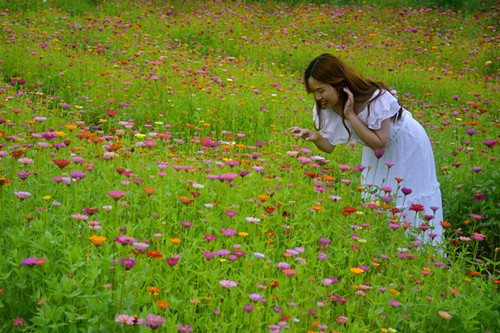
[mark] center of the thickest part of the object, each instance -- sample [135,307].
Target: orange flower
[97,240]
[162,304]
[317,208]
[96,140]
[185,200]
[495,281]
[454,291]
[155,291]
[445,224]
[263,197]
[175,240]
[149,190]
[70,127]
[87,135]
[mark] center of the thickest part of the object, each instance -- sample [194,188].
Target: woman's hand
[305,134]
[349,104]
[308,135]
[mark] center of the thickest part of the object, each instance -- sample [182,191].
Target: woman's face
[324,93]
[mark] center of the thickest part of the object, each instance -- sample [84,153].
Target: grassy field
[148,179]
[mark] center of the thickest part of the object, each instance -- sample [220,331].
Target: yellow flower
[102,120]
[139,135]
[59,133]
[97,240]
[46,197]
[356,270]
[243,234]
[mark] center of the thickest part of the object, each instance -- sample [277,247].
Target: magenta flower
[125,240]
[116,195]
[231,213]
[324,241]
[18,322]
[210,238]
[128,263]
[342,320]
[379,153]
[184,328]
[406,191]
[228,232]
[248,308]
[172,261]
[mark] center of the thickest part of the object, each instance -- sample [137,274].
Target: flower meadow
[148,179]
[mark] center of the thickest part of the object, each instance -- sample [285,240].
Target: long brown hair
[331,70]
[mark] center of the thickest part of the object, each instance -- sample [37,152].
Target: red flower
[348,210]
[17,153]
[154,254]
[269,210]
[417,207]
[111,113]
[61,163]
[4,181]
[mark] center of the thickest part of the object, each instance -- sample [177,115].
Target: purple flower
[324,241]
[228,284]
[184,328]
[78,175]
[208,255]
[248,308]
[153,321]
[33,261]
[22,195]
[394,304]
[128,263]
[23,175]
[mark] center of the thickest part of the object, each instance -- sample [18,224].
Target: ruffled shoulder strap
[382,107]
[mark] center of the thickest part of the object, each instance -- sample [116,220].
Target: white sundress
[408,147]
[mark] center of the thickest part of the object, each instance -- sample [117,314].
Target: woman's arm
[322,143]
[375,139]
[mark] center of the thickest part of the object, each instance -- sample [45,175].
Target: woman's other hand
[305,134]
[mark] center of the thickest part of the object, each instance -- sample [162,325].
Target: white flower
[259,255]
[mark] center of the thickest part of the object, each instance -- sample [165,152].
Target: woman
[351,108]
